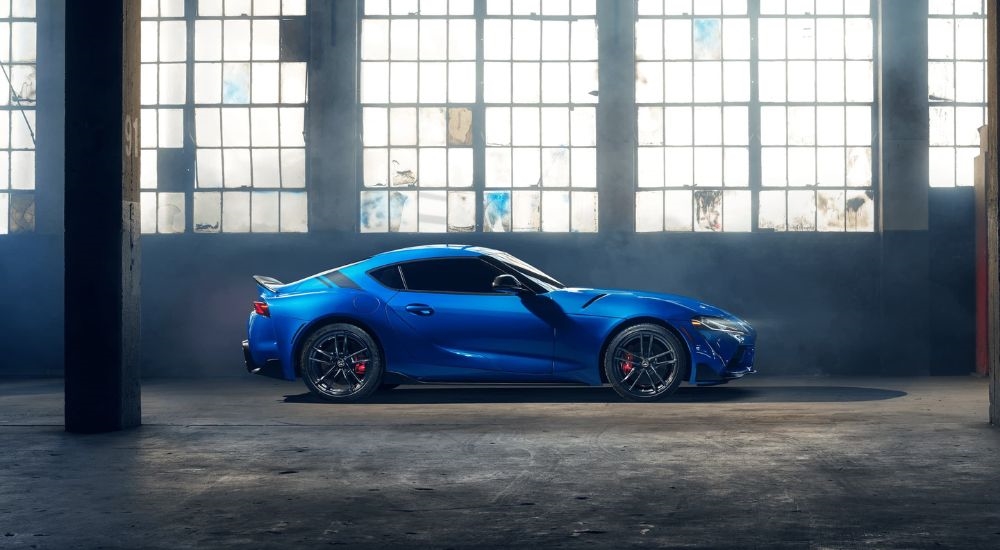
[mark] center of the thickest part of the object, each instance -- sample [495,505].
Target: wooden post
[993,269]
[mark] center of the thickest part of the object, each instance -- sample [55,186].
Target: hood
[581,300]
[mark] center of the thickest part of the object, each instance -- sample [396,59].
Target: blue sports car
[449,313]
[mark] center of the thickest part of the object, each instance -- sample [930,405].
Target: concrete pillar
[332,133]
[993,205]
[616,134]
[102,216]
[903,186]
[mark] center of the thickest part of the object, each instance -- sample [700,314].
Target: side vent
[592,300]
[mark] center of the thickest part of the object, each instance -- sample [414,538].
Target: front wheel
[645,362]
[341,362]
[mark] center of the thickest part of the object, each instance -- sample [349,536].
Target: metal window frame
[18,109]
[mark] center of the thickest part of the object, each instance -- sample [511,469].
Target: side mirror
[509,284]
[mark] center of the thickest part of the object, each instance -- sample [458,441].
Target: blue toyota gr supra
[448,313]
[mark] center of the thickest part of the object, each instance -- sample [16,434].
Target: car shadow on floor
[417,395]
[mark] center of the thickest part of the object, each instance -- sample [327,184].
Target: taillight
[261,309]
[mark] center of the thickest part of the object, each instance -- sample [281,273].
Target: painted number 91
[131,140]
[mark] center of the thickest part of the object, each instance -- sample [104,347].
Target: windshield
[536,275]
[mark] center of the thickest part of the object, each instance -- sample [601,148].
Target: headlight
[718,323]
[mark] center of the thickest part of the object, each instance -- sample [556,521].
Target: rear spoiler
[269,284]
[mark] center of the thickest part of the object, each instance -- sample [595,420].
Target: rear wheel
[341,362]
[645,362]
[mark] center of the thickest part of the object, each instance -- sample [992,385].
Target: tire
[341,363]
[645,362]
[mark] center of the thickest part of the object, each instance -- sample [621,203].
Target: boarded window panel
[207,216]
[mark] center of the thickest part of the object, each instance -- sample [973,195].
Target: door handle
[420,309]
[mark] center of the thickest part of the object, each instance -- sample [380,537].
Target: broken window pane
[461,211]
[403,212]
[496,211]
[708,210]
[170,213]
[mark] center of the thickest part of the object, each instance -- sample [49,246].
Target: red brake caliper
[359,368]
[627,363]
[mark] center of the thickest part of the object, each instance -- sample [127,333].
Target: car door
[461,326]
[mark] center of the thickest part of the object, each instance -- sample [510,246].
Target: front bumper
[719,356]
[271,368]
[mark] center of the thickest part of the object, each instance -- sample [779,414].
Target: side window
[469,275]
[389,276]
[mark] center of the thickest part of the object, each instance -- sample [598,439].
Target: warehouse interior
[827,169]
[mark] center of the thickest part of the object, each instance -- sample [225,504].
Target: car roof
[428,251]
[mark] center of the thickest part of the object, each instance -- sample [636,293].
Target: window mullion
[754,123]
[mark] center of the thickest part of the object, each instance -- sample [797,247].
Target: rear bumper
[271,368]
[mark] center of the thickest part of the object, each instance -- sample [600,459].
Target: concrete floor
[765,463]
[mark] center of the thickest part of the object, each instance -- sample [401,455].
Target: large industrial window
[773,134]
[223,106]
[956,77]
[17,117]
[459,138]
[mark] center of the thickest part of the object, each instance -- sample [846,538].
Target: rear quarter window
[388,276]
